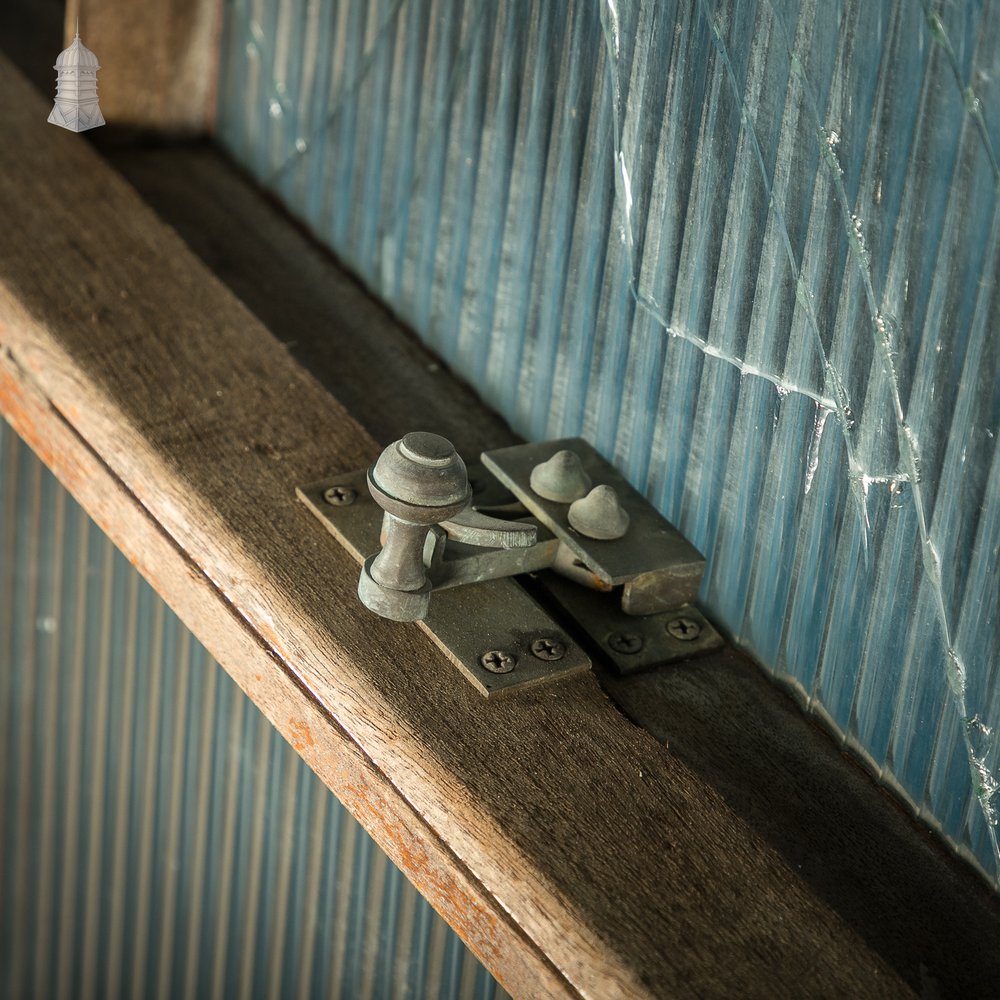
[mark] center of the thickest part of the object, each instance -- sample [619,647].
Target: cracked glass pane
[749,248]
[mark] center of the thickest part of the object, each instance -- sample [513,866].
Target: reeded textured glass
[159,837]
[749,248]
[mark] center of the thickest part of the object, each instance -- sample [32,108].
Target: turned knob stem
[400,564]
[418,481]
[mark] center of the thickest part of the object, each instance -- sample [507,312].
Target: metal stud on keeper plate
[561,478]
[599,514]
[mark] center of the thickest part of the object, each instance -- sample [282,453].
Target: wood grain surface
[572,850]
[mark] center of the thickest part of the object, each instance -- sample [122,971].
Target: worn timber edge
[571,851]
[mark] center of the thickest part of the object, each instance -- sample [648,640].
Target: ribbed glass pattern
[159,838]
[749,248]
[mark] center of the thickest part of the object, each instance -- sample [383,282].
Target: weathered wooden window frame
[567,847]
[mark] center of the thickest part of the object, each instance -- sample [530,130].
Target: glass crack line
[623,182]
[970,101]
[833,401]
[955,672]
[839,400]
[445,106]
[909,446]
[303,144]
[841,405]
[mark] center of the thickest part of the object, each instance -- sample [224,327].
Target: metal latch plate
[659,567]
[651,542]
[466,622]
[632,644]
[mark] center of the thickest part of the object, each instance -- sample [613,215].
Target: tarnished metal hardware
[560,478]
[628,643]
[464,621]
[599,515]
[498,661]
[439,546]
[631,643]
[656,566]
[548,649]
[685,629]
[419,481]
[340,496]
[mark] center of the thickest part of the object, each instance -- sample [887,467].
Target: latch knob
[418,481]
